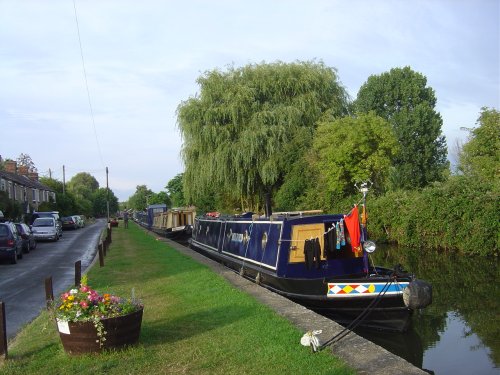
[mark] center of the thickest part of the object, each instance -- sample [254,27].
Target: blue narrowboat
[320,261]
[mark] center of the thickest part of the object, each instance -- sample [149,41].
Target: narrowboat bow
[317,260]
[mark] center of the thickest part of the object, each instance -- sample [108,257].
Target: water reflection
[460,332]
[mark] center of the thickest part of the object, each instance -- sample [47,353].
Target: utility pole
[107,192]
[64,180]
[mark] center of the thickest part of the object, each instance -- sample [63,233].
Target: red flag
[352,223]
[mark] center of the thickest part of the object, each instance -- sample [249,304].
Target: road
[22,285]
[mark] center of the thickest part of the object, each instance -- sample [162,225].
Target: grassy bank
[194,323]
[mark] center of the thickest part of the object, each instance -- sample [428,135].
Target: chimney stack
[23,170]
[11,166]
[33,176]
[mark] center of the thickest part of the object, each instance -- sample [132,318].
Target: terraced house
[22,186]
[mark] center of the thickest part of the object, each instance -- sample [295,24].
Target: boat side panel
[208,233]
[253,241]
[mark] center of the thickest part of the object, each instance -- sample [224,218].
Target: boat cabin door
[301,233]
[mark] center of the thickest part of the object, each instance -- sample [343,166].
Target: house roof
[24,180]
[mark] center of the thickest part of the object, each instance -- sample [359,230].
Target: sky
[100,88]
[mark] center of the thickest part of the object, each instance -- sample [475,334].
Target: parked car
[69,222]
[11,245]
[81,221]
[28,239]
[54,214]
[45,228]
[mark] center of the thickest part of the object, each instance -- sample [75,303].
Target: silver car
[45,228]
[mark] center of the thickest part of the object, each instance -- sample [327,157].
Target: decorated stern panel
[346,290]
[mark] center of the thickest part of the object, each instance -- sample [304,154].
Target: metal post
[3,331]
[78,273]
[49,293]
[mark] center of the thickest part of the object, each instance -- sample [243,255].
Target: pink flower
[84,304]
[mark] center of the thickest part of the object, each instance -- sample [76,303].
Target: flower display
[84,304]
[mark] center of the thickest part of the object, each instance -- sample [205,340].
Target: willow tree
[236,129]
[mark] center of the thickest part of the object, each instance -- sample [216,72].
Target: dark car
[11,244]
[29,242]
[69,222]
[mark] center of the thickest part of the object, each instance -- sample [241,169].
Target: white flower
[73,291]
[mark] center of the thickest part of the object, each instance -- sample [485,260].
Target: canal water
[459,333]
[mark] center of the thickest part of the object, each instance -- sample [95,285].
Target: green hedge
[459,214]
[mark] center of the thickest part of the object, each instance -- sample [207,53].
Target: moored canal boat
[173,223]
[320,261]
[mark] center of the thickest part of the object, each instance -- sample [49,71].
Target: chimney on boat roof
[268,208]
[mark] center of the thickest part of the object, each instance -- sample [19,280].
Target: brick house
[22,186]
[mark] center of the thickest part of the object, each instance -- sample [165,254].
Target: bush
[459,214]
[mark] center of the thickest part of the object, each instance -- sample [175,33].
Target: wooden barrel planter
[81,337]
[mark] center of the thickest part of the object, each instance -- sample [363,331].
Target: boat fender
[417,295]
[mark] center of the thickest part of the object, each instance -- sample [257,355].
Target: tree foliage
[66,203]
[402,97]
[350,150]
[139,200]
[100,200]
[83,185]
[26,161]
[236,130]
[160,198]
[175,190]
[480,156]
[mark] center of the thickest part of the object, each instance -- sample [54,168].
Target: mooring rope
[313,341]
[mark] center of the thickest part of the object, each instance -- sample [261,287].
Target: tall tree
[160,198]
[175,190]
[83,185]
[402,97]
[100,201]
[236,130]
[26,161]
[140,199]
[66,204]
[351,150]
[480,156]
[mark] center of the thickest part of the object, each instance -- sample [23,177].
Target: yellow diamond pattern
[348,289]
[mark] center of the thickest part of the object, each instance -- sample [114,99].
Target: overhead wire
[87,85]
